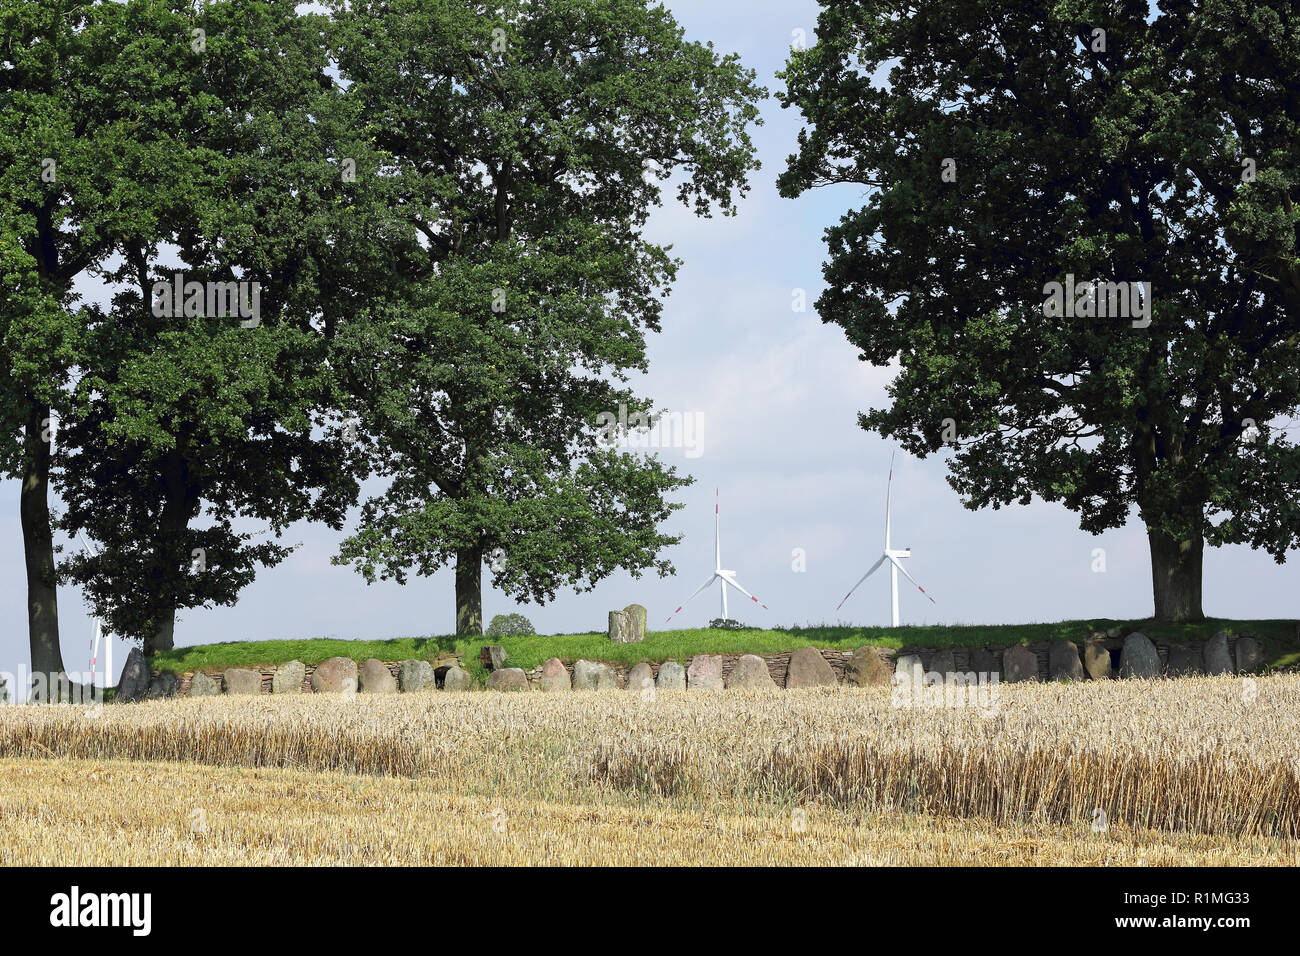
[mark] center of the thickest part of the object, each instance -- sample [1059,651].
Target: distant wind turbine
[98,635]
[720,574]
[891,555]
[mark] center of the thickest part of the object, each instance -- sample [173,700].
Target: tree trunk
[469,592]
[38,552]
[170,556]
[1176,577]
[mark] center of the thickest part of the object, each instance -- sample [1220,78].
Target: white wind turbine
[720,574]
[98,635]
[891,555]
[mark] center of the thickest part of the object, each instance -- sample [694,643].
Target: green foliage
[727,624]
[504,625]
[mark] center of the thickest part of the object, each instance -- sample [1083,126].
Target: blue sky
[778,393]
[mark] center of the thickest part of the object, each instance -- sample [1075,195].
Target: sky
[776,395]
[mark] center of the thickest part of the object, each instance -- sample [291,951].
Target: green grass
[1279,639]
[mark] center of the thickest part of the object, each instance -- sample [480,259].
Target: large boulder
[908,669]
[1249,655]
[640,677]
[594,675]
[1218,659]
[413,676]
[508,679]
[1019,663]
[337,675]
[555,677]
[134,682]
[288,678]
[866,669]
[494,656]
[943,662]
[201,685]
[165,684]
[984,661]
[456,679]
[671,676]
[1183,661]
[750,673]
[1096,660]
[809,669]
[374,677]
[704,673]
[619,631]
[1139,658]
[636,622]
[241,680]
[1063,661]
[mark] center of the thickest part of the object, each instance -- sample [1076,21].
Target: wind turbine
[720,574]
[98,635]
[891,555]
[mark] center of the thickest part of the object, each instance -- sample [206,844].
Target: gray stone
[1063,661]
[414,676]
[337,675]
[374,677]
[1139,659]
[636,622]
[508,679]
[555,678]
[288,678]
[908,669]
[704,673]
[640,676]
[1218,659]
[134,682]
[983,661]
[620,631]
[943,663]
[1183,661]
[594,675]
[672,676]
[1019,663]
[1096,661]
[1249,655]
[456,679]
[866,669]
[165,684]
[201,685]
[241,680]
[809,669]
[497,656]
[750,673]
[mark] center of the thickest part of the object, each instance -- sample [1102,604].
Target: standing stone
[508,679]
[242,680]
[908,669]
[636,622]
[1063,661]
[288,678]
[1139,659]
[456,679]
[593,675]
[201,685]
[620,630]
[134,682]
[496,656]
[1218,659]
[672,676]
[336,675]
[704,673]
[983,661]
[1248,655]
[1183,661]
[1096,660]
[164,685]
[750,673]
[1019,663]
[374,677]
[415,676]
[555,678]
[866,669]
[809,669]
[943,663]
[640,677]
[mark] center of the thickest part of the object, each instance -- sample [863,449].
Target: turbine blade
[717,534]
[910,578]
[889,489]
[869,573]
[692,597]
[736,584]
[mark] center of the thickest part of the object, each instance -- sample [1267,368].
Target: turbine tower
[720,574]
[891,554]
[98,635]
